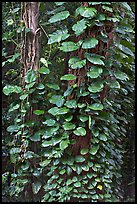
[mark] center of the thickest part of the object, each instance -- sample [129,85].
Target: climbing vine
[69,134]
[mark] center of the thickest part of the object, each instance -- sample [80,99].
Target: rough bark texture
[30,40]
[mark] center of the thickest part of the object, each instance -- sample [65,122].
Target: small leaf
[94,72]
[86,12]
[57,99]
[53,86]
[38,112]
[44,61]
[120,75]
[84,151]
[69,46]
[36,187]
[94,149]
[44,70]
[80,131]
[40,86]
[68,77]
[96,87]
[59,16]
[69,126]
[53,110]
[13,128]
[23,97]
[99,187]
[89,43]
[8,89]
[77,184]
[83,118]
[64,144]
[76,63]
[95,59]
[79,158]
[49,122]
[103,137]
[96,106]
[71,104]
[30,76]
[69,181]
[79,27]
[35,137]
[58,36]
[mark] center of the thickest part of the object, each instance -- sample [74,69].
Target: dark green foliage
[41,126]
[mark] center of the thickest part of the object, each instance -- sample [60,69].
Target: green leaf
[58,36]
[62,171]
[36,187]
[53,110]
[44,70]
[13,128]
[59,3]
[89,43]
[96,106]
[15,150]
[89,175]
[95,59]
[63,144]
[35,137]
[120,75]
[69,46]
[49,122]
[69,126]
[23,97]
[68,77]
[76,63]
[59,16]
[53,86]
[103,137]
[114,84]
[77,184]
[40,86]
[71,104]
[30,76]
[79,158]
[109,9]
[38,112]
[80,131]
[84,151]
[85,167]
[62,111]
[94,149]
[94,72]
[44,61]
[8,89]
[45,163]
[96,87]
[79,27]
[47,143]
[69,181]
[78,169]
[86,12]
[57,99]
[83,118]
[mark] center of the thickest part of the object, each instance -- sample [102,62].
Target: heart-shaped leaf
[89,43]
[76,63]
[95,59]
[96,106]
[94,72]
[36,187]
[69,46]
[69,126]
[68,77]
[96,87]
[94,149]
[79,27]
[103,137]
[59,16]
[71,104]
[80,131]
[44,70]
[63,144]
[58,36]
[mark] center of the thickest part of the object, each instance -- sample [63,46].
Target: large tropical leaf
[89,43]
[58,36]
[69,46]
[59,16]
